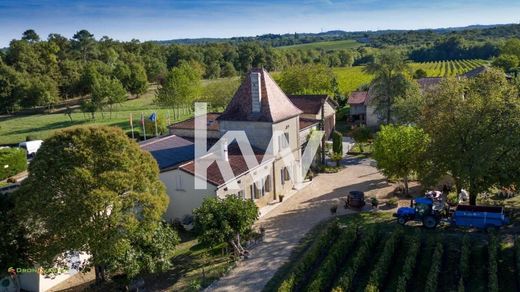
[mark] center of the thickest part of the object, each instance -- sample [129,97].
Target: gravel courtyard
[289,222]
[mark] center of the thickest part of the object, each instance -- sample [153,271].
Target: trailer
[482,217]
[426,210]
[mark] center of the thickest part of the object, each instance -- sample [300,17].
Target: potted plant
[333,209]
[280,197]
[375,202]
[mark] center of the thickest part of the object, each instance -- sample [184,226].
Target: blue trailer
[430,214]
[482,217]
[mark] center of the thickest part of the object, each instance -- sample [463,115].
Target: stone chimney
[224,150]
[256,96]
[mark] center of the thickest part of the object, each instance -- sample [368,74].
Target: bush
[493,266]
[331,264]
[383,263]
[409,262]
[15,159]
[308,260]
[435,267]
[368,240]
[30,138]
[392,202]
[337,142]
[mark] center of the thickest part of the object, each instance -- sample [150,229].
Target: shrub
[337,142]
[361,135]
[308,260]
[464,258]
[383,263]
[433,275]
[368,239]
[331,264]
[493,269]
[15,159]
[409,262]
[30,138]
[517,255]
[392,202]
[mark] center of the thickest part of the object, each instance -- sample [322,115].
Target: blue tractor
[423,210]
[430,211]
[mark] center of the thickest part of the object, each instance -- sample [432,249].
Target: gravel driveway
[288,223]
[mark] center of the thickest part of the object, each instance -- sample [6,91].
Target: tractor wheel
[401,220]
[430,222]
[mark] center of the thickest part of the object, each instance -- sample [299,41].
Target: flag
[153,118]
[132,125]
[144,128]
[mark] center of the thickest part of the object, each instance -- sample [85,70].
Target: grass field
[329,45]
[371,252]
[16,128]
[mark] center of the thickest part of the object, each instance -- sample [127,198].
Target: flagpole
[155,120]
[132,125]
[144,128]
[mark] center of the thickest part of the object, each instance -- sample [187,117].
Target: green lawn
[328,45]
[15,129]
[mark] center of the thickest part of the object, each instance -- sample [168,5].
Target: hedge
[12,162]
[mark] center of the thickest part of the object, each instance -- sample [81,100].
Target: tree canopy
[474,127]
[225,221]
[99,193]
[400,150]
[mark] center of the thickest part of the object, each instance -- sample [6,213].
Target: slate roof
[189,124]
[475,72]
[169,151]
[275,105]
[429,82]
[309,104]
[236,161]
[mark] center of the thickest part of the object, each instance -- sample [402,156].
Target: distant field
[329,45]
[448,68]
[351,78]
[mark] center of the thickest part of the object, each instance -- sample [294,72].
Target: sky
[164,20]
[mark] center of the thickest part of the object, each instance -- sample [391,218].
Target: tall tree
[181,87]
[107,91]
[390,82]
[98,193]
[474,127]
[225,221]
[84,43]
[307,79]
[399,151]
[31,36]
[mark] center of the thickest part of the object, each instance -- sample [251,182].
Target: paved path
[288,223]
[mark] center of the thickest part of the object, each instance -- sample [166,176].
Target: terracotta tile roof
[169,151]
[358,97]
[305,123]
[309,104]
[189,124]
[275,105]
[236,161]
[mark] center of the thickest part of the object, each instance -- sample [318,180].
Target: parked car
[31,146]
